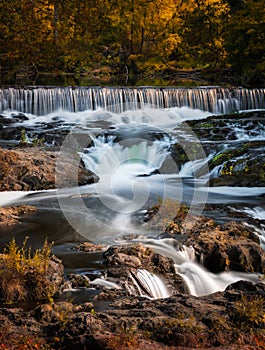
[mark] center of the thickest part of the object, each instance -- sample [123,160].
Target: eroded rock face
[219,247]
[231,246]
[227,247]
[36,168]
[124,260]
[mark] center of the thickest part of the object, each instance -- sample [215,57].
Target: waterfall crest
[45,100]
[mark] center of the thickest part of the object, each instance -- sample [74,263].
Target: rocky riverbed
[117,315]
[233,319]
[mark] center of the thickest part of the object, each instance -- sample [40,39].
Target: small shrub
[11,341]
[63,311]
[167,214]
[176,331]
[38,142]
[22,260]
[23,273]
[26,141]
[249,312]
[23,138]
[126,339]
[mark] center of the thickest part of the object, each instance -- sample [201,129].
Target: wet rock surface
[11,215]
[123,262]
[228,247]
[235,160]
[226,320]
[231,319]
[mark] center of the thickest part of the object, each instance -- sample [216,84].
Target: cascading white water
[235,164]
[202,282]
[124,168]
[127,158]
[147,284]
[41,101]
[198,280]
[256,212]
[193,167]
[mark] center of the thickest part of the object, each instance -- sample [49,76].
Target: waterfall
[125,159]
[147,284]
[44,100]
[125,171]
[195,167]
[202,282]
[199,281]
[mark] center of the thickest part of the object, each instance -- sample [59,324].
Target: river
[125,136]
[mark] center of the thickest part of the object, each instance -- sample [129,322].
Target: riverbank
[152,75]
[116,319]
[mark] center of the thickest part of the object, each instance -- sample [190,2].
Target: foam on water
[12,197]
[198,280]
[165,118]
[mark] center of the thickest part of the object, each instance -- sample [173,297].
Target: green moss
[219,159]
[207,125]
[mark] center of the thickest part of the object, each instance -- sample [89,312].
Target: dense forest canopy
[132,36]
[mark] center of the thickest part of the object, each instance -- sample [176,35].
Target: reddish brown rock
[36,168]
[229,247]
[11,215]
[124,260]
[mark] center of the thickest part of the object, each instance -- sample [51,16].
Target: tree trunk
[55,22]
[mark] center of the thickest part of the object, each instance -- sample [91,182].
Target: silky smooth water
[129,149]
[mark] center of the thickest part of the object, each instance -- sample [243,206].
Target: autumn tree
[132,36]
[245,39]
[202,31]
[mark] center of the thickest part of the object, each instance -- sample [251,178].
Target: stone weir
[44,100]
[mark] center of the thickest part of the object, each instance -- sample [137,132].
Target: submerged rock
[89,247]
[11,215]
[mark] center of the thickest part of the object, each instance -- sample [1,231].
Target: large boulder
[36,168]
[124,261]
[227,247]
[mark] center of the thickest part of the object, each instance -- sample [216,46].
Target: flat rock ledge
[38,168]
